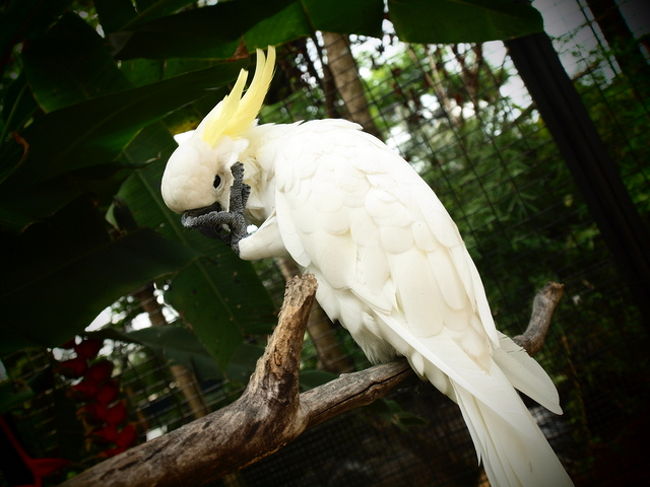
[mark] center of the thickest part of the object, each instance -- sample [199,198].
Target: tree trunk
[183,377]
[623,44]
[346,77]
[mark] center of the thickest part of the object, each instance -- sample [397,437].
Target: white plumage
[391,268]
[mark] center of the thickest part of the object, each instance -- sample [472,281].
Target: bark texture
[183,377]
[544,304]
[271,412]
[348,83]
[321,330]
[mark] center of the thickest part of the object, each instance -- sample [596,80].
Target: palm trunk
[347,81]
[621,40]
[183,377]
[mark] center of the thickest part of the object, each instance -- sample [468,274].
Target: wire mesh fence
[462,116]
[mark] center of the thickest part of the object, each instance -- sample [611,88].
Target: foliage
[86,111]
[91,93]
[492,162]
[497,170]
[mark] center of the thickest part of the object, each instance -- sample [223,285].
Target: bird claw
[228,226]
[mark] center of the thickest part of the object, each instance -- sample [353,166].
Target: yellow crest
[235,113]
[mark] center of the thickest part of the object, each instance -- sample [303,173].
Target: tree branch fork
[271,412]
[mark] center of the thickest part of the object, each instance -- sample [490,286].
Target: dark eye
[217,181]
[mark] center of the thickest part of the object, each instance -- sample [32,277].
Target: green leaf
[60,274]
[451,21]
[18,105]
[208,32]
[113,14]
[92,133]
[13,394]
[243,362]
[218,295]
[180,345]
[363,17]
[196,294]
[24,19]
[288,24]
[153,9]
[143,71]
[70,64]
[214,32]
[120,14]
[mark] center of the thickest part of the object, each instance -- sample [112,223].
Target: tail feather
[512,457]
[513,449]
[525,374]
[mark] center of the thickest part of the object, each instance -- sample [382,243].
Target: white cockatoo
[390,264]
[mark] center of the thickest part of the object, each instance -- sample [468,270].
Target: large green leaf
[120,14]
[113,14]
[25,19]
[92,133]
[153,9]
[18,106]
[70,64]
[145,71]
[208,32]
[13,394]
[173,341]
[288,24]
[363,17]
[59,274]
[303,17]
[214,32]
[450,21]
[180,345]
[218,295]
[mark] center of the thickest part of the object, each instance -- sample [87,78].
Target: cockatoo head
[198,173]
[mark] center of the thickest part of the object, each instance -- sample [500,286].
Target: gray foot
[228,226]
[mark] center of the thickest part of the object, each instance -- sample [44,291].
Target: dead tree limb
[544,304]
[271,412]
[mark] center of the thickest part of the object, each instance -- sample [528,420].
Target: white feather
[392,267]
[526,374]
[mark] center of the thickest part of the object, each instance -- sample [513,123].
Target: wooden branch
[261,421]
[351,391]
[271,412]
[544,304]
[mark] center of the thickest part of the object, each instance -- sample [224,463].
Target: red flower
[107,392]
[89,348]
[100,372]
[116,414]
[86,389]
[73,368]
[126,437]
[95,412]
[108,433]
[122,439]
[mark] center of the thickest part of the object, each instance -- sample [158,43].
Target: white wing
[359,215]
[393,269]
